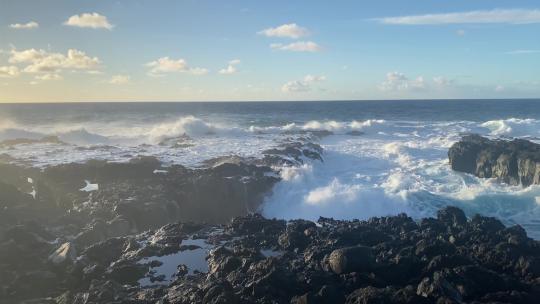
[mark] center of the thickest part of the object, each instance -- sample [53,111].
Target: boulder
[452,216]
[351,259]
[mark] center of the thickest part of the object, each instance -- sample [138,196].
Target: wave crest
[513,127]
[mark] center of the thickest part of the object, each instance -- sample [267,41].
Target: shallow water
[194,259]
[398,165]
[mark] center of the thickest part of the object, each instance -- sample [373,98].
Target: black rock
[352,259]
[452,216]
[514,162]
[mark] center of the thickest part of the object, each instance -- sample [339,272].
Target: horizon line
[262,101]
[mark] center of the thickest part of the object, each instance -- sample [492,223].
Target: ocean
[380,157]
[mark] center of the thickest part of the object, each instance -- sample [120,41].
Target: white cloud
[120,79]
[461,32]
[442,81]
[522,52]
[24,26]
[231,68]
[509,16]
[49,77]
[396,81]
[41,61]
[93,20]
[299,46]
[9,71]
[291,30]
[303,85]
[167,65]
[499,88]
[198,71]
[29,55]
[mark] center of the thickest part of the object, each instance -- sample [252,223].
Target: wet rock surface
[69,227]
[145,233]
[448,259]
[516,162]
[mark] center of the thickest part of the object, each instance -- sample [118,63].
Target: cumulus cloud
[120,79]
[299,46]
[24,26]
[396,81]
[41,61]
[303,85]
[167,65]
[231,68]
[508,16]
[89,20]
[9,71]
[291,30]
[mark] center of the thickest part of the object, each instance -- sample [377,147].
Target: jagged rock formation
[394,259]
[97,200]
[514,162]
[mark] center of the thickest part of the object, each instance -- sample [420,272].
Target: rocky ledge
[448,259]
[516,162]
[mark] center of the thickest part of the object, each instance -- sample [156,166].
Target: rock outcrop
[514,162]
[447,259]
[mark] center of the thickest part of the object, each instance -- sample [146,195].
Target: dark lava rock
[98,246]
[293,153]
[357,259]
[514,162]
[452,216]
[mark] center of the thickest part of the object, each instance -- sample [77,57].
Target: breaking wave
[371,167]
[513,127]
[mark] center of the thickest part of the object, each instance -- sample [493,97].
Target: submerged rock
[514,162]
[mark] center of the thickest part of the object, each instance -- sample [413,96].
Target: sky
[198,50]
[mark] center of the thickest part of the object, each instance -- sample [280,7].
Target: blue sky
[272,50]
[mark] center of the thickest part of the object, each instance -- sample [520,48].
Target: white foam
[89,187]
[395,166]
[188,125]
[335,191]
[513,127]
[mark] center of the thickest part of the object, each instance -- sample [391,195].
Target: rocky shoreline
[447,259]
[515,162]
[142,232]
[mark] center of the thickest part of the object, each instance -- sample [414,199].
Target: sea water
[395,160]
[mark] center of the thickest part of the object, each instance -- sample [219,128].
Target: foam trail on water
[336,127]
[513,127]
[402,169]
